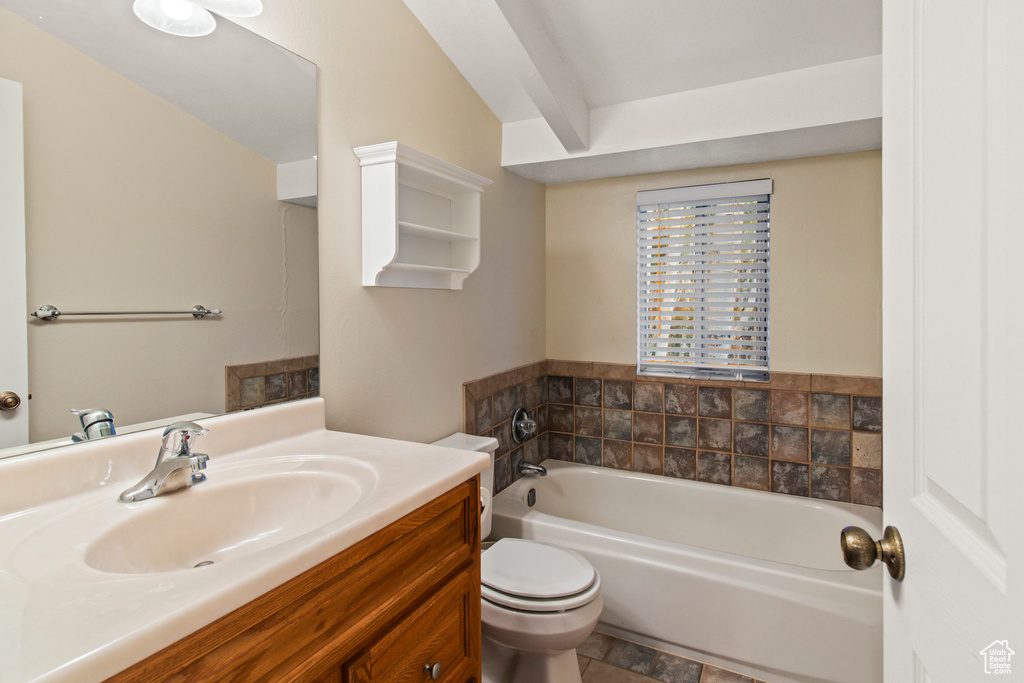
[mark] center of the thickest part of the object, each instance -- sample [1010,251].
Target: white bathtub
[751,581]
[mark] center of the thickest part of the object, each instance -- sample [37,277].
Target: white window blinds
[702,281]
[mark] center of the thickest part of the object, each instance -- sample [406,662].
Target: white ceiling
[248,88]
[627,51]
[582,67]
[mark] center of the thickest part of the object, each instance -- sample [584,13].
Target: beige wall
[826,263]
[131,204]
[393,360]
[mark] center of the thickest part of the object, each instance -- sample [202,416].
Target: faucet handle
[191,427]
[185,431]
[523,426]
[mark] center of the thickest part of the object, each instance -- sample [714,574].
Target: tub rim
[510,502]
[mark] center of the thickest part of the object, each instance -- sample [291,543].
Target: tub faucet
[527,468]
[172,472]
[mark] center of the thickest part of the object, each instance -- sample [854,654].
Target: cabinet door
[443,630]
[357,669]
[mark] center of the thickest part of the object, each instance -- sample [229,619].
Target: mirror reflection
[160,173]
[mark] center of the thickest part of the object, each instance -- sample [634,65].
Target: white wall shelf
[398,265]
[421,218]
[406,228]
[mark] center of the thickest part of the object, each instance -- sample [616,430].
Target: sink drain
[204,563]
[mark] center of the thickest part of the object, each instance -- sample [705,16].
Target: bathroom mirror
[160,173]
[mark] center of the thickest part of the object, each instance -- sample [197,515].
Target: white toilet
[538,602]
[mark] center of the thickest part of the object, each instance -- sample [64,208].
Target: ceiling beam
[551,83]
[825,109]
[838,138]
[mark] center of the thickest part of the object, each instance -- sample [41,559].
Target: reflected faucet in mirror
[97,423]
[175,472]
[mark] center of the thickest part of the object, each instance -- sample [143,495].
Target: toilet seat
[526,604]
[536,577]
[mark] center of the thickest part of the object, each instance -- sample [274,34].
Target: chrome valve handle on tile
[860,550]
[523,426]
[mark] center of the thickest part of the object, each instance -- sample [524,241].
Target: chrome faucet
[97,423]
[527,468]
[172,472]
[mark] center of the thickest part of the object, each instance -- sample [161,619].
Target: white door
[13,311]
[953,252]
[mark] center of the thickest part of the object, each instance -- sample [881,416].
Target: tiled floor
[605,659]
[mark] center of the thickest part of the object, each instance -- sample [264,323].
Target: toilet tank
[481,444]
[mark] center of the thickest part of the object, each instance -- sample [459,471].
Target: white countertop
[62,620]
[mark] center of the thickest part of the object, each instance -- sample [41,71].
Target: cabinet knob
[433,669]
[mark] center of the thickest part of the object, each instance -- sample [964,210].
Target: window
[702,281]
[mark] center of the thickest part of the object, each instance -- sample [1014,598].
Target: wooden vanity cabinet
[434,634]
[389,608]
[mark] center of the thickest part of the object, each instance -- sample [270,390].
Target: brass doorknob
[860,551]
[9,400]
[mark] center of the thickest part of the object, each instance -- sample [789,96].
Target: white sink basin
[213,522]
[242,508]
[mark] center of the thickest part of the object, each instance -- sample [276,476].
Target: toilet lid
[535,570]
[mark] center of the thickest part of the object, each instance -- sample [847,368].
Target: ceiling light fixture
[177,17]
[233,8]
[192,18]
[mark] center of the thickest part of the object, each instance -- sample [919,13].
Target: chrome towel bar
[49,312]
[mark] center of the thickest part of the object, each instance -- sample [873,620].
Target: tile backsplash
[798,434]
[258,384]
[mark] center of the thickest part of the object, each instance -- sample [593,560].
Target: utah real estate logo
[997,657]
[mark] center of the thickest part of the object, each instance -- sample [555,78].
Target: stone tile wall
[489,404]
[799,434]
[258,384]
